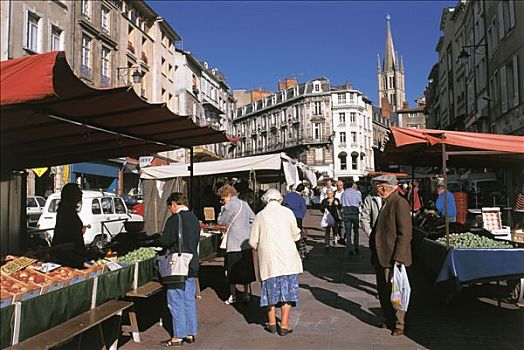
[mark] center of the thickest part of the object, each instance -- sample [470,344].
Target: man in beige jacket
[390,244]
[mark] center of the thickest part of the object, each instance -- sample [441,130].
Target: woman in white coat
[273,237]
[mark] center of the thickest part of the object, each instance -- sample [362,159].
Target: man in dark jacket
[390,244]
[297,203]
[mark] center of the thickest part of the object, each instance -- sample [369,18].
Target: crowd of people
[271,245]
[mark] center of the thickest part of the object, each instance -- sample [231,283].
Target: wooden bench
[76,326]
[147,290]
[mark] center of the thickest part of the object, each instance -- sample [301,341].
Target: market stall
[460,149]
[49,117]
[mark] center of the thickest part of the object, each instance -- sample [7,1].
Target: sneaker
[231,300]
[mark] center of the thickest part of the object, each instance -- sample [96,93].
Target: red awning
[50,117]
[424,147]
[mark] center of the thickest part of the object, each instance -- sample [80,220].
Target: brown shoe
[397,332]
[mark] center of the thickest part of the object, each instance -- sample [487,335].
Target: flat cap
[389,179]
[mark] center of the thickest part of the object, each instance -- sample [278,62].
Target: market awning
[422,147]
[50,117]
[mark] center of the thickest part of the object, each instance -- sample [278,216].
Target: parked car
[103,214]
[34,208]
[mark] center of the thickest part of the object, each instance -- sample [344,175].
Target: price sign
[209,214]
[17,265]
[113,266]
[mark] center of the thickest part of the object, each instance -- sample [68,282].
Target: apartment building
[353,132]
[415,117]
[329,128]
[477,84]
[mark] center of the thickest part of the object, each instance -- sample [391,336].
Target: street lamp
[136,76]
[463,58]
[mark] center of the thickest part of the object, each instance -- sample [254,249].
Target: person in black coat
[332,205]
[181,296]
[68,242]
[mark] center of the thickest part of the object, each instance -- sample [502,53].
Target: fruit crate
[29,275]
[492,222]
[20,290]
[6,298]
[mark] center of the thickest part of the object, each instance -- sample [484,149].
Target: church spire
[389,54]
[379,69]
[401,65]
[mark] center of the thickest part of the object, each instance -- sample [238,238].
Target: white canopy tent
[267,162]
[159,181]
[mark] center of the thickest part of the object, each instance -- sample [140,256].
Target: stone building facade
[300,120]
[353,132]
[477,84]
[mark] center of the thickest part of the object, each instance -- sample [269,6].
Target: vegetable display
[140,254]
[470,240]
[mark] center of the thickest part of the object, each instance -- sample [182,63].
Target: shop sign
[17,265]
[145,161]
[39,171]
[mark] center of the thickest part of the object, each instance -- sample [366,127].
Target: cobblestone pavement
[339,309]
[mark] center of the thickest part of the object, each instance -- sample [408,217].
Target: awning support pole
[191,192]
[445,175]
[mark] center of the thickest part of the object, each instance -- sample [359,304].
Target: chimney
[258,94]
[287,83]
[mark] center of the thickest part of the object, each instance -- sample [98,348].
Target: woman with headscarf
[273,237]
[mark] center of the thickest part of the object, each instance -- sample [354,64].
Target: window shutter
[503,90]
[511,13]
[500,19]
[515,81]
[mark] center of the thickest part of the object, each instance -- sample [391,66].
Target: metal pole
[445,175]
[191,192]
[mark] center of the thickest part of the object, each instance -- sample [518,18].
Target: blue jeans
[181,301]
[351,223]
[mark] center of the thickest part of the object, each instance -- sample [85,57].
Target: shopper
[440,204]
[370,210]
[297,204]
[390,244]
[328,185]
[181,296]
[351,201]
[331,205]
[273,235]
[238,217]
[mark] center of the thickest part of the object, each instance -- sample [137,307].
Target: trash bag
[400,288]
[327,219]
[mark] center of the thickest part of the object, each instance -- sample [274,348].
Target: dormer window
[316,86]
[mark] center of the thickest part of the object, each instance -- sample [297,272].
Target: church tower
[391,75]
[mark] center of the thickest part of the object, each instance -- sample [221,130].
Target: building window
[352,117]
[86,56]
[106,66]
[85,9]
[353,137]
[342,137]
[31,40]
[343,160]
[106,20]
[316,87]
[342,118]
[341,98]
[506,17]
[56,39]
[319,155]
[354,160]
[351,98]
[316,131]
[509,88]
[318,108]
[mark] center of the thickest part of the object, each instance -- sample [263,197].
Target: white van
[102,213]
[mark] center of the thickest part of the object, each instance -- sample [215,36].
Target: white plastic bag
[327,219]
[400,288]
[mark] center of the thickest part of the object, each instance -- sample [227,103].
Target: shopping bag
[174,268]
[327,219]
[223,242]
[400,288]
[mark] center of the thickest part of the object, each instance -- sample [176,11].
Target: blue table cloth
[466,265]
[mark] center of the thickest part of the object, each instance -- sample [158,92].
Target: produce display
[140,254]
[470,240]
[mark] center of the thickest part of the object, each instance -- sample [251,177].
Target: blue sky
[256,43]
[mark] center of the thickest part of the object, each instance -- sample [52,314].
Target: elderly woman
[273,237]
[238,217]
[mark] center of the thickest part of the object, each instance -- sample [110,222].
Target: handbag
[327,219]
[223,243]
[174,267]
[400,288]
